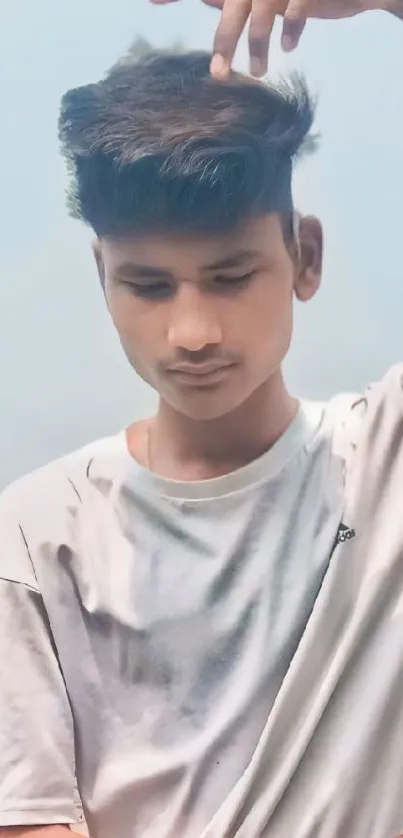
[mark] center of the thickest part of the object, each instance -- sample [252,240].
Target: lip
[200,375]
[200,369]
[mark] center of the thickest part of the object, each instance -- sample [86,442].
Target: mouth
[200,375]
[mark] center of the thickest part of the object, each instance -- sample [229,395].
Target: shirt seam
[24,585]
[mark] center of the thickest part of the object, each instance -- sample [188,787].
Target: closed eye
[150,291]
[228,282]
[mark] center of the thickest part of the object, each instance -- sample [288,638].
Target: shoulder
[53,486]
[42,511]
[367,429]
[380,404]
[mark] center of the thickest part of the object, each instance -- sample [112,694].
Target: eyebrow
[130,270]
[234,260]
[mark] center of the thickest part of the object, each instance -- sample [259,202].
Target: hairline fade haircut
[159,144]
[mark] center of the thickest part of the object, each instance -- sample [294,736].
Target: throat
[178,448]
[200,466]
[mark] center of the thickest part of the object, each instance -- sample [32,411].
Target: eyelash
[158,290]
[235,281]
[163,289]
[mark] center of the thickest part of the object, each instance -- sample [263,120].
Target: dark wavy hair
[160,144]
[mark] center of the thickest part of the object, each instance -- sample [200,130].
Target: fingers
[261,25]
[234,17]
[293,24]
[233,20]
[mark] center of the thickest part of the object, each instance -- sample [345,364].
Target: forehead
[172,251]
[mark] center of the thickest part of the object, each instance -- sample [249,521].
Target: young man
[202,618]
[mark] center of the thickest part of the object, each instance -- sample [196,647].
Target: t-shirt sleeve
[36,729]
[372,425]
[379,412]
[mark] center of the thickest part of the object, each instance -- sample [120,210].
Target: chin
[206,407]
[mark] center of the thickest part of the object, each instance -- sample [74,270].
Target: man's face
[207,320]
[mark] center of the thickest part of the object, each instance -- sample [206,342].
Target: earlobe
[310,237]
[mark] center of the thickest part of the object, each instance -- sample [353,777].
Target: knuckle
[257,49]
[258,44]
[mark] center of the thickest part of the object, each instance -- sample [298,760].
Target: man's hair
[160,144]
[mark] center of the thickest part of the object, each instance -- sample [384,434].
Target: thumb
[293,24]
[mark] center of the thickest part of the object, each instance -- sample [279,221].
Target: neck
[185,449]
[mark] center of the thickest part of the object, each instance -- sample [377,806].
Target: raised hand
[261,15]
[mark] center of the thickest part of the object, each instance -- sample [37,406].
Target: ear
[96,249]
[310,243]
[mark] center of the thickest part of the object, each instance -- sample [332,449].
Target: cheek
[128,318]
[135,331]
[270,317]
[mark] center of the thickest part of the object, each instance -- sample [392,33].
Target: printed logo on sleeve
[344,534]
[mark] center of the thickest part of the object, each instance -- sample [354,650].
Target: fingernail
[287,43]
[219,67]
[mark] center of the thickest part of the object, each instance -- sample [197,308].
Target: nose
[194,323]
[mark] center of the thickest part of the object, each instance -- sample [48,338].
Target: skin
[258,416]
[261,14]
[199,299]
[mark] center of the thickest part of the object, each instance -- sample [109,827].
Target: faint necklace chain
[148,448]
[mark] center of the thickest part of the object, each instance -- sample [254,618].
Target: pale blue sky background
[63,380]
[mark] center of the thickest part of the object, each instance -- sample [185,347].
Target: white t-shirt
[221,659]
